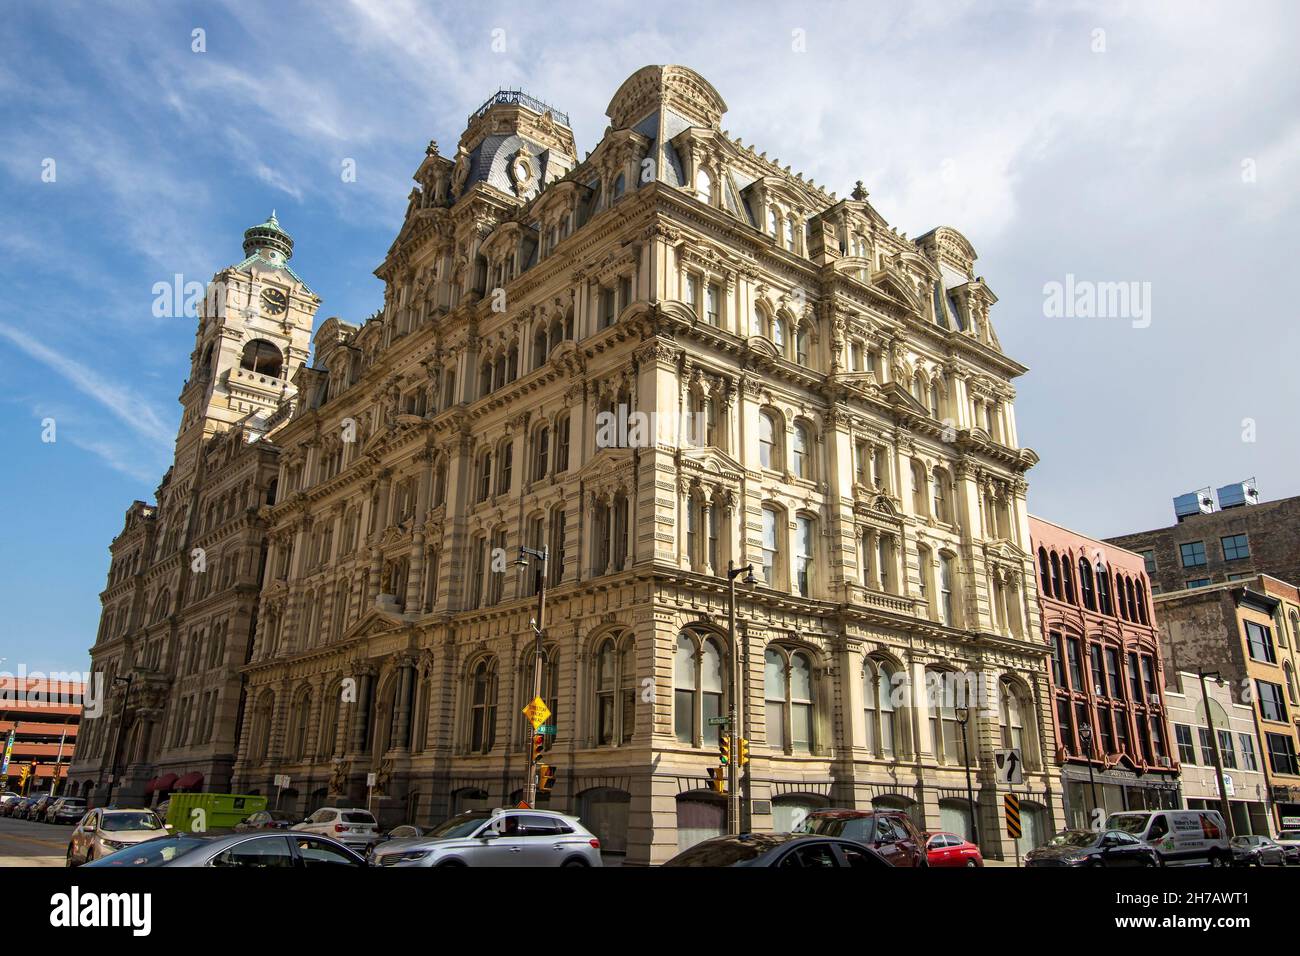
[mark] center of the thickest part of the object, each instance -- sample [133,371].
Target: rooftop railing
[520,98]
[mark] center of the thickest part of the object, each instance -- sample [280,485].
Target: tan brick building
[849,430]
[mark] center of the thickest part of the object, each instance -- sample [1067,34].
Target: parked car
[8,801]
[1181,837]
[267,820]
[496,838]
[1257,850]
[65,810]
[23,808]
[1289,840]
[349,825]
[105,831]
[1093,848]
[253,850]
[797,850]
[949,849]
[891,833]
[403,832]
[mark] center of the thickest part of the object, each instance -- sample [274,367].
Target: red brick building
[44,716]
[1107,675]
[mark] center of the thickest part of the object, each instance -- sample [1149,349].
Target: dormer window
[703,186]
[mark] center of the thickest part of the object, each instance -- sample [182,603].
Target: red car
[948,849]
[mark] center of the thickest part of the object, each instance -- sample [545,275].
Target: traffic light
[545,779]
[23,774]
[742,757]
[724,748]
[539,745]
[718,779]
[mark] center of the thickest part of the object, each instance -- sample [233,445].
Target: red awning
[151,786]
[189,781]
[163,783]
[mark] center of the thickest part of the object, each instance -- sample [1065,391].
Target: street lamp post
[1224,807]
[1085,734]
[539,630]
[117,735]
[963,718]
[737,684]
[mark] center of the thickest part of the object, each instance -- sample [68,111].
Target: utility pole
[58,761]
[735,711]
[539,631]
[117,735]
[1224,807]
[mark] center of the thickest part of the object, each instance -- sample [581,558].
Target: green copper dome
[269,240]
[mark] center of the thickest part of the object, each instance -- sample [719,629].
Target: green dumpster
[208,812]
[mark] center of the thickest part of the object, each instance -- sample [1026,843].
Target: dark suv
[891,833]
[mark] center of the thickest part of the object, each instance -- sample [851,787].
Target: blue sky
[1126,142]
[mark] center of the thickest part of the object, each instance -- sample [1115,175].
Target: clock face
[274,301]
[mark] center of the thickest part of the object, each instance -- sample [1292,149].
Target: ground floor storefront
[1090,799]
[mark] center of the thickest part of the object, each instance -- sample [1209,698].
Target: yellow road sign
[1011,810]
[537,712]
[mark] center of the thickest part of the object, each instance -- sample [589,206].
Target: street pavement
[27,843]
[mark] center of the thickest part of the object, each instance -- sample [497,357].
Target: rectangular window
[1260,641]
[1248,759]
[713,304]
[1281,753]
[1064,718]
[1149,559]
[1058,667]
[769,547]
[1076,673]
[1193,554]
[693,291]
[1134,684]
[804,555]
[1271,704]
[606,308]
[624,292]
[562,445]
[1186,751]
[1198,583]
[1227,751]
[1106,737]
[1098,674]
[1235,547]
[1112,669]
[1207,746]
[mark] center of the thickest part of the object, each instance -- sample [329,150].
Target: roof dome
[268,239]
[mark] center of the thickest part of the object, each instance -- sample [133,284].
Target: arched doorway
[954,817]
[604,811]
[894,801]
[1033,826]
[700,816]
[469,798]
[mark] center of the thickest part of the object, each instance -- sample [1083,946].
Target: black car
[22,810]
[799,850]
[1093,848]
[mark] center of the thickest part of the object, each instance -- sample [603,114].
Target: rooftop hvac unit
[1238,494]
[1193,503]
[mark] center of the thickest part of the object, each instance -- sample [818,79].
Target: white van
[1181,837]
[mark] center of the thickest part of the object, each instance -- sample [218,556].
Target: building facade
[1107,676]
[668,357]
[185,576]
[1239,750]
[1237,540]
[1246,632]
[39,721]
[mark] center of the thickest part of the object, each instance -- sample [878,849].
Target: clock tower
[254,333]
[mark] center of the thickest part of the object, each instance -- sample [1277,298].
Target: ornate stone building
[829,401]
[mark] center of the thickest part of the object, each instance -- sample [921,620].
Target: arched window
[946,689]
[697,689]
[801,345]
[505,461]
[788,689]
[541,452]
[771,545]
[769,449]
[485,476]
[1290,682]
[802,458]
[879,678]
[936,406]
[482,705]
[616,691]
[920,490]
[779,334]
[947,587]
[261,358]
[1013,719]
[1103,591]
[298,733]
[703,186]
[1045,571]
[1085,584]
[774,224]
[1056,576]
[941,496]
[804,555]
[789,234]
[1067,580]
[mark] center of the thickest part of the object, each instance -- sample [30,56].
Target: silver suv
[496,838]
